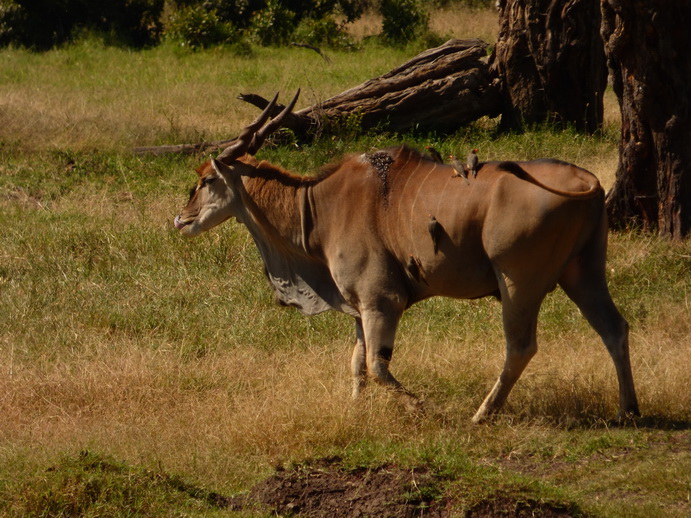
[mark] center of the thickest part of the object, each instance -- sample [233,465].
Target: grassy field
[142,373]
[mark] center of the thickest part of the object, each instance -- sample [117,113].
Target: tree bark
[550,60]
[647,43]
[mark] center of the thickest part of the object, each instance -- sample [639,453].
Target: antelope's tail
[515,169]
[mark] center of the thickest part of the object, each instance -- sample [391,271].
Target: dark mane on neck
[332,167]
[268,171]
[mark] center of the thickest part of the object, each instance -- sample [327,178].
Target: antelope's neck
[276,211]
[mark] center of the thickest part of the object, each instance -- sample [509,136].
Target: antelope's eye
[208,179]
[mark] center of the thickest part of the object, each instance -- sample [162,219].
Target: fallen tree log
[440,89]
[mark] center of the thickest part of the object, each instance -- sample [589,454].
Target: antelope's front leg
[379,326]
[358,363]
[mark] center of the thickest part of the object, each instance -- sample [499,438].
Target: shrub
[322,31]
[317,9]
[472,4]
[11,21]
[237,12]
[135,23]
[403,20]
[196,27]
[38,25]
[353,9]
[273,25]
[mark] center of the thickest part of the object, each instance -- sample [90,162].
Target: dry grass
[453,22]
[465,23]
[215,416]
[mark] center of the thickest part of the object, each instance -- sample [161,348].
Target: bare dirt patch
[323,488]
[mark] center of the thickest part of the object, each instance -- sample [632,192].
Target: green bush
[473,4]
[236,12]
[196,27]
[353,9]
[273,25]
[322,31]
[42,24]
[241,12]
[403,20]
[11,21]
[135,23]
[317,9]
[310,19]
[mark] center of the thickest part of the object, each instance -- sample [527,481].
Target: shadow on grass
[658,422]
[595,422]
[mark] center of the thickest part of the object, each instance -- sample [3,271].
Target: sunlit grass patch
[106,98]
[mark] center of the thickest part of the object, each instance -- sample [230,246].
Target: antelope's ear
[203,168]
[220,167]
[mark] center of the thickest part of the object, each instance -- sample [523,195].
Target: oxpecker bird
[459,168]
[435,230]
[472,162]
[413,268]
[434,154]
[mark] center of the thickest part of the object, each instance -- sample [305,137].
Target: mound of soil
[324,489]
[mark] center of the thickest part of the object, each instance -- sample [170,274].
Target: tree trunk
[647,44]
[550,59]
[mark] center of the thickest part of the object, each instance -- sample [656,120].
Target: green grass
[89,484]
[87,97]
[166,362]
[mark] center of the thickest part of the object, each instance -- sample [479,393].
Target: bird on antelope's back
[459,168]
[434,154]
[472,162]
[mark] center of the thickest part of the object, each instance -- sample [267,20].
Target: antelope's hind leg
[587,287]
